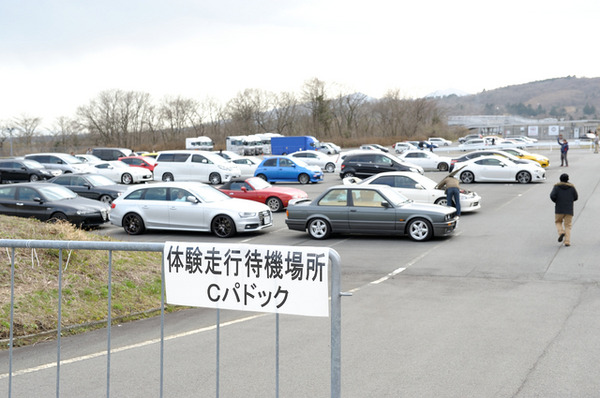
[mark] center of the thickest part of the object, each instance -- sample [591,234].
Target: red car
[257,189]
[140,161]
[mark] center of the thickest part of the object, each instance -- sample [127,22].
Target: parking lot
[500,309]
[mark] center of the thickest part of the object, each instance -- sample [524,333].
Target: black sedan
[14,170]
[371,209]
[92,186]
[49,202]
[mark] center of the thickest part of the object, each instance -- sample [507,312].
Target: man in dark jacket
[563,195]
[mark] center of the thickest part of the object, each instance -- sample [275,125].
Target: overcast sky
[60,54]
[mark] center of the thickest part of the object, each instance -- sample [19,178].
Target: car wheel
[467,177]
[420,230]
[58,216]
[34,178]
[347,174]
[330,167]
[303,178]
[441,202]
[523,177]
[319,228]
[264,177]
[126,178]
[214,178]
[133,224]
[275,204]
[443,166]
[105,199]
[223,226]
[168,177]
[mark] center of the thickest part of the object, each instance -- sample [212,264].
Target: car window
[7,192]
[179,194]
[383,160]
[26,193]
[404,182]
[270,162]
[335,197]
[156,194]
[63,180]
[200,159]
[384,180]
[236,185]
[366,198]
[283,162]
[78,180]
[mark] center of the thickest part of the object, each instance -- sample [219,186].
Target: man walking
[563,195]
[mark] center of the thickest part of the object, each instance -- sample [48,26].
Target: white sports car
[418,188]
[499,169]
[426,159]
[121,172]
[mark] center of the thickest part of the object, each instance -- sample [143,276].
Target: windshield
[394,197]
[258,183]
[98,180]
[33,164]
[56,192]
[208,194]
[70,159]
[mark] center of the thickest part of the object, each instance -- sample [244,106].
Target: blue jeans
[453,193]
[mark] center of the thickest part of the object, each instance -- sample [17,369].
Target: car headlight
[247,214]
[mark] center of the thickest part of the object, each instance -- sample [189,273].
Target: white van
[203,143]
[186,165]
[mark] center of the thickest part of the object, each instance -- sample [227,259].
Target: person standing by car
[596,139]
[563,195]
[564,148]
[452,187]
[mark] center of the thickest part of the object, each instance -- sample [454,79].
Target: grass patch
[136,282]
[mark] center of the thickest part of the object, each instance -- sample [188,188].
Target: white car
[316,158]
[187,206]
[201,166]
[246,164]
[497,169]
[329,148]
[426,159]
[88,158]
[472,144]
[400,147]
[419,189]
[121,172]
[440,141]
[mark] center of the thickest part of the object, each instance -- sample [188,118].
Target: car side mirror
[419,186]
[38,199]
[88,186]
[385,204]
[244,189]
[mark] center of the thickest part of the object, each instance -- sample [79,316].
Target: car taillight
[112,205]
[342,167]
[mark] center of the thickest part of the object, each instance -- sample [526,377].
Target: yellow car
[542,160]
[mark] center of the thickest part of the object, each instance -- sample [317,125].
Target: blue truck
[287,145]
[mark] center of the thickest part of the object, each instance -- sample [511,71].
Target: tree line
[134,120]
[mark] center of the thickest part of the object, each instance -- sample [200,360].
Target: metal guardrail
[335,307]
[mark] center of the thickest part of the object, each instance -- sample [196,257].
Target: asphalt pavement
[500,309]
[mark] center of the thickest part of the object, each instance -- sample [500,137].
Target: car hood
[83,204]
[286,190]
[236,204]
[427,208]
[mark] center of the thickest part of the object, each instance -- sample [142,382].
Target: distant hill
[568,97]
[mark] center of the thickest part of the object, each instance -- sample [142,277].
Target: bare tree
[116,117]
[349,114]
[315,100]
[179,115]
[65,133]
[284,114]
[26,127]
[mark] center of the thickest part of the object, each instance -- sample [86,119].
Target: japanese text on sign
[279,279]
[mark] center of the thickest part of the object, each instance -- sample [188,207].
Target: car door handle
[353,210]
[20,203]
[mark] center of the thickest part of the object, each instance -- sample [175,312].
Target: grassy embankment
[136,283]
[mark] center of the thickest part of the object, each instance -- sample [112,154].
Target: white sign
[532,130]
[263,278]
[553,130]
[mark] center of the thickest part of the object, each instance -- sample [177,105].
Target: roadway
[499,309]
